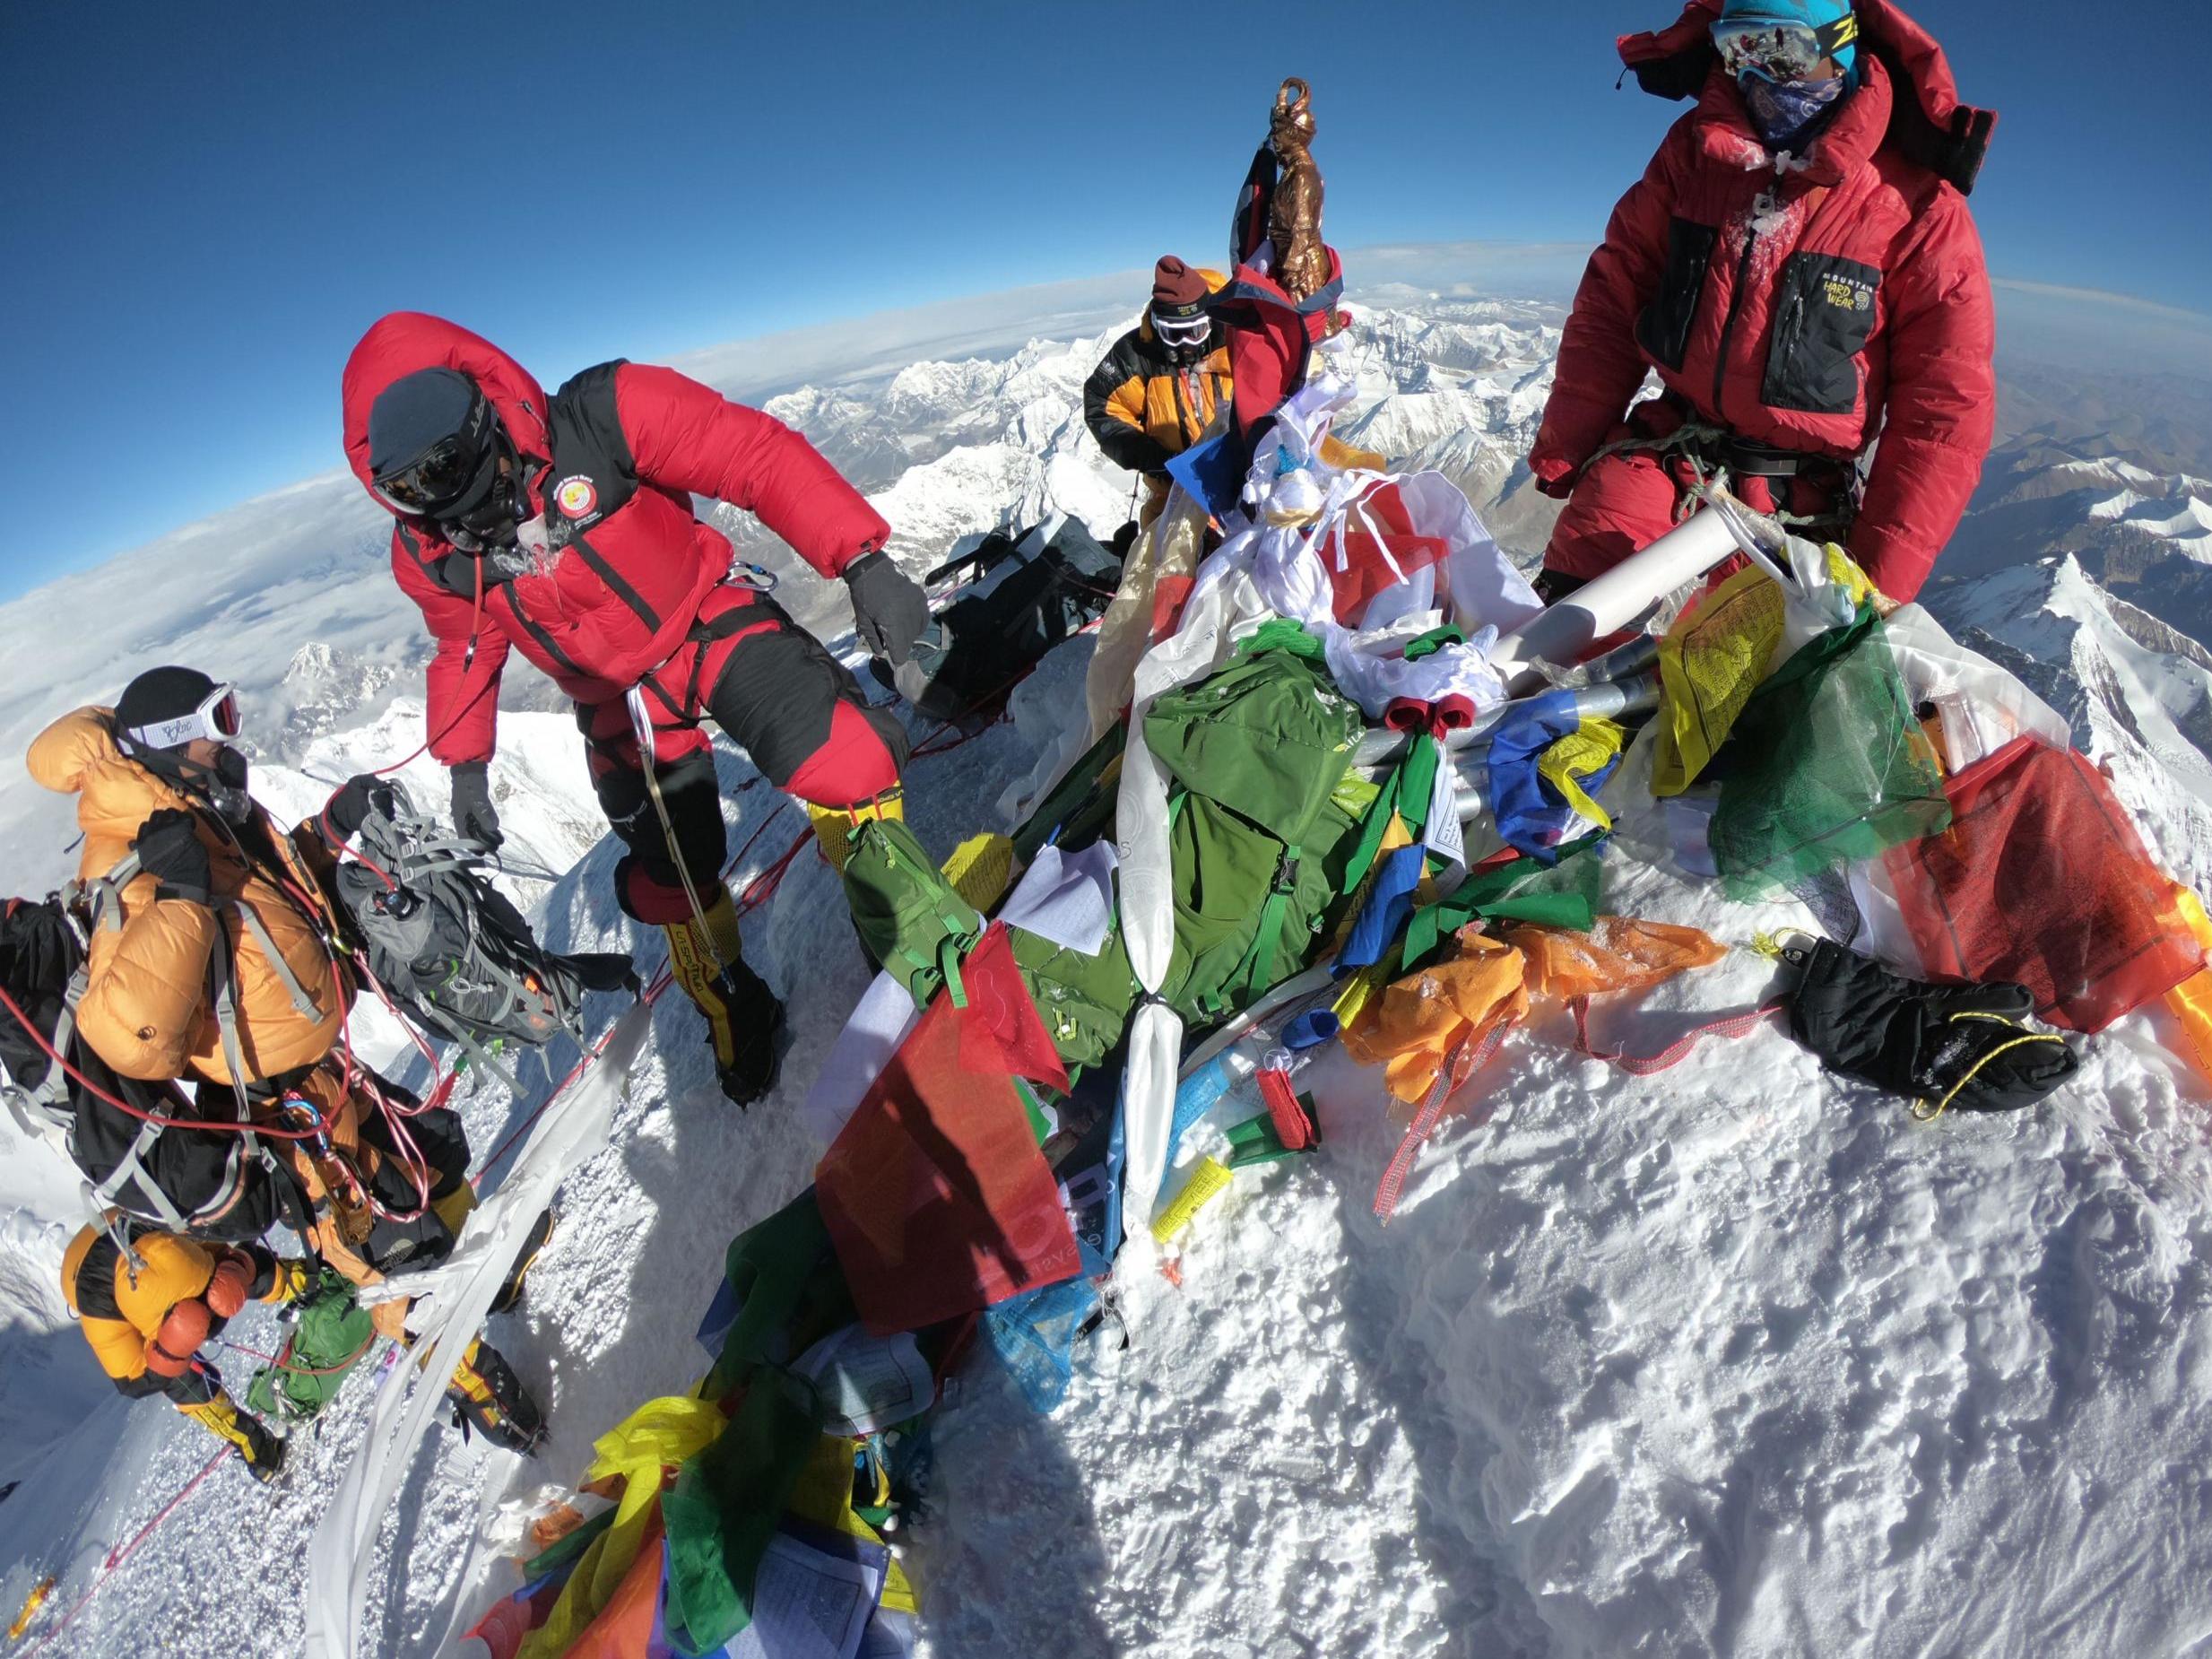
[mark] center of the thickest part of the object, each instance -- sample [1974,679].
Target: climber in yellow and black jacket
[146,1309]
[147,1299]
[1156,393]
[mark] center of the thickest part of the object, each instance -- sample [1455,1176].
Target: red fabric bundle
[2043,879]
[936,1194]
[1377,534]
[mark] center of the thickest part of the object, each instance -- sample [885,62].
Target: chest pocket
[1663,331]
[1822,318]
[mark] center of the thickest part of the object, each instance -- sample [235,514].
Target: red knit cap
[1177,290]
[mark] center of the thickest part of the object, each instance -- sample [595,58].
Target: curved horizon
[2068,326]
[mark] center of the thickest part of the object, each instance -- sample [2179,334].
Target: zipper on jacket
[1765,204]
[1183,411]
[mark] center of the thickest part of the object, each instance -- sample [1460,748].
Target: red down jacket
[615,457]
[1851,303]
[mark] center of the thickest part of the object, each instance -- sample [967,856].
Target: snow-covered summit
[1736,1359]
[2145,535]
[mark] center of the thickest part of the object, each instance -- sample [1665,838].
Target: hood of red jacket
[1849,140]
[405,340]
[1677,61]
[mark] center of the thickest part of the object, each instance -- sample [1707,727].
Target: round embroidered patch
[577,497]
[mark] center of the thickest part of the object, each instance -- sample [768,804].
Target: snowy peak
[324,688]
[2146,536]
[2137,693]
[946,450]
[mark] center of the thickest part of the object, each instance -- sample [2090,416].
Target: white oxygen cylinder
[1567,629]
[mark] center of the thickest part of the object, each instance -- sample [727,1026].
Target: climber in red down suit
[1799,266]
[563,527]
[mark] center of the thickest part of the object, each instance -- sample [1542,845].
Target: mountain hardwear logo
[1848,294]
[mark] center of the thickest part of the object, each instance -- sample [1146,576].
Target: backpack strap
[132,1170]
[1257,970]
[44,1112]
[223,979]
[103,896]
[302,1003]
[951,912]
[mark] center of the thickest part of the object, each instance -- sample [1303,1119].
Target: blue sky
[209,203]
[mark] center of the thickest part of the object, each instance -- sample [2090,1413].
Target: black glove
[889,609]
[1957,1046]
[168,847]
[473,819]
[351,805]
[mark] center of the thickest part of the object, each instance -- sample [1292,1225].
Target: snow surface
[1735,1360]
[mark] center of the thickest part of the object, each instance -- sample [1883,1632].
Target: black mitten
[1963,1047]
[168,847]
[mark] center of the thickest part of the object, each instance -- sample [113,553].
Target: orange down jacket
[149,1009]
[1143,407]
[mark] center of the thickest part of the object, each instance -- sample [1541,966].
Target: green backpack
[1259,846]
[921,931]
[1084,1001]
[909,918]
[332,1336]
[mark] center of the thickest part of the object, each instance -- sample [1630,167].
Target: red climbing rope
[125,1107]
[117,1557]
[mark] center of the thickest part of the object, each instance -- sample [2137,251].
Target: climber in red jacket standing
[562,527]
[1800,268]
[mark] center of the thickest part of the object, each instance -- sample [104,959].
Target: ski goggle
[216,717]
[445,474]
[1187,331]
[1778,49]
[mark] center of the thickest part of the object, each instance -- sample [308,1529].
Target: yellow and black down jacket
[1143,408]
[122,1306]
[148,1010]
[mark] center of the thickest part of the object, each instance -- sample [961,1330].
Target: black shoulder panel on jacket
[1954,155]
[593,472]
[1682,75]
[96,1280]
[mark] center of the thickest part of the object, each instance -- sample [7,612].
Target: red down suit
[1812,306]
[632,589]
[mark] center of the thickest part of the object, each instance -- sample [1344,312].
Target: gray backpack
[448,948]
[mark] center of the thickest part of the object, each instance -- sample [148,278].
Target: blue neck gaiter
[1787,113]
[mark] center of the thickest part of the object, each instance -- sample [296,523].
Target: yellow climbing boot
[262,1452]
[487,1396]
[835,826]
[743,1017]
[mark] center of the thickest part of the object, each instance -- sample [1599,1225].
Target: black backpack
[998,609]
[213,1183]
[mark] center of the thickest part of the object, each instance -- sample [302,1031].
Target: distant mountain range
[290,595]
